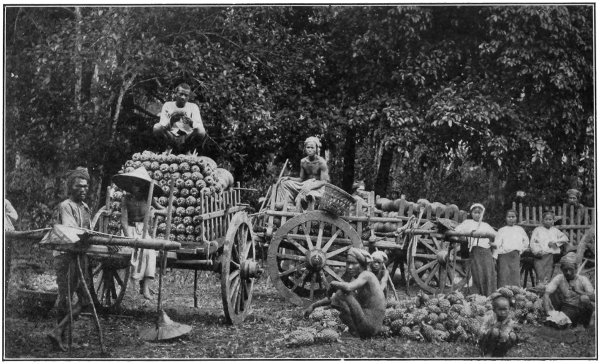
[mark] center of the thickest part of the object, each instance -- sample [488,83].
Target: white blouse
[469,225]
[511,238]
[542,236]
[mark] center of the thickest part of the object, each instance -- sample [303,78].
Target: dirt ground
[258,337]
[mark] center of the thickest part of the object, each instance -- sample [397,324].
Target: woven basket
[335,200]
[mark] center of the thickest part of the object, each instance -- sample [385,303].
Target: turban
[79,172]
[475,205]
[569,260]
[360,256]
[314,140]
[379,256]
[573,192]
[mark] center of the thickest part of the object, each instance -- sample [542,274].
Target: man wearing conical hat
[134,209]
[361,301]
[314,173]
[72,212]
[570,293]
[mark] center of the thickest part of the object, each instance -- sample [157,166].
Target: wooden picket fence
[573,222]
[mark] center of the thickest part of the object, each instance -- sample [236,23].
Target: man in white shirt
[180,126]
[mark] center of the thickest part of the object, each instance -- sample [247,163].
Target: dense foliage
[454,103]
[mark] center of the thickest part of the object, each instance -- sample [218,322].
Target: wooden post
[402,210]
[196,288]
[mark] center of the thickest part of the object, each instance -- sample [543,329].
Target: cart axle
[250,269]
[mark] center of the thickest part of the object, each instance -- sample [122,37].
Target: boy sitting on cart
[314,173]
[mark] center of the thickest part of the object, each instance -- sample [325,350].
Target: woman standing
[545,243]
[511,241]
[483,268]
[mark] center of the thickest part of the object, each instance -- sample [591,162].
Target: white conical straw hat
[138,177]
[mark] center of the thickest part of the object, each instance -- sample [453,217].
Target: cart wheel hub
[442,256]
[250,269]
[316,259]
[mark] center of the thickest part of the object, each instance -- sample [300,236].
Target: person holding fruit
[180,126]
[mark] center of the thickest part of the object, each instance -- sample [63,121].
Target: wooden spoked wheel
[239,268]
[588,266]
[307,253]
[435,264]
[109,275]
[109,282]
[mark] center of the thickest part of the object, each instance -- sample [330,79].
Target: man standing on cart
[314,174]
[180,126]
[73,212]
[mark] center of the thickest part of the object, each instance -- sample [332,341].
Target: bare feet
[56,341]
[145,290]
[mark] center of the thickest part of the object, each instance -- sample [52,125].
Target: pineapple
[405,331]
[326,336]
[531,296]
[453,315]
[442,335]
[505,292]
[432,318]
[429,333]
[444,305]
[439,326]
[396,326]
[520,297]
[442,317]
[301,337]
[433,308]
[395,314]
[451,324]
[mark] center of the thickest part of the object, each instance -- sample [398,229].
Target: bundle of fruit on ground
[40,282]
[454,317]
[326,329]
[196,178]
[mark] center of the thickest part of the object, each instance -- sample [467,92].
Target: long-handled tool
[140,252]
[165,328]
[422,206]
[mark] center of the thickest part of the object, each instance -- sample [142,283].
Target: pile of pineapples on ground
[450,317]
[326,327]
[195,177]
[454,317]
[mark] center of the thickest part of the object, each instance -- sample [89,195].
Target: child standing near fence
[511,241]
[546,241]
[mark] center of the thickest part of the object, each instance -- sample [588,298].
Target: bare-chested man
[361,301]
[313,175]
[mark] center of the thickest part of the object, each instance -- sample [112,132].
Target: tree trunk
[112,130]
[349,157]
[78,64]
[383,172]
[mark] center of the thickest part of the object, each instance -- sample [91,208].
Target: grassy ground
[258,337]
